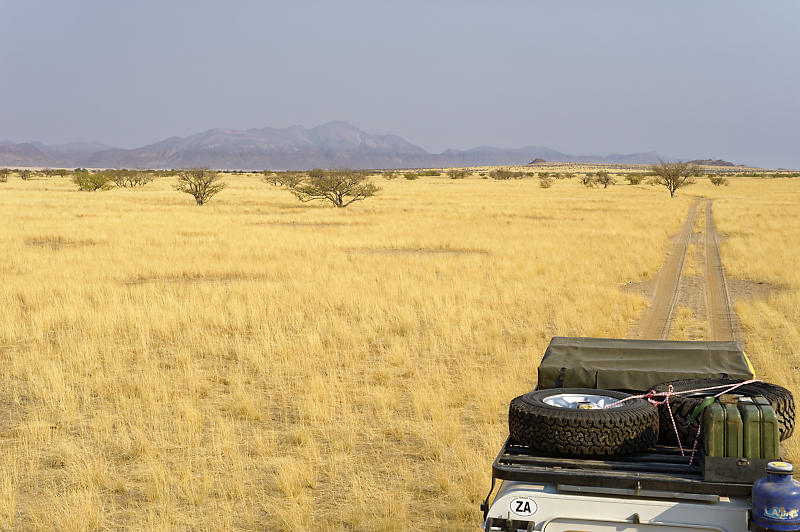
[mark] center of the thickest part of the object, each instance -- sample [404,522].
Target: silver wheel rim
[582,401]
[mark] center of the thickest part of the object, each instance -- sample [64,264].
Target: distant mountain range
[331,145]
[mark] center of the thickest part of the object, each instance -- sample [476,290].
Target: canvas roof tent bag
[637,365]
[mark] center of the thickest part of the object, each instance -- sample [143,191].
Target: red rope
[652,394]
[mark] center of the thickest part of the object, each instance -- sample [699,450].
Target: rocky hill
[712,162]
[331,145]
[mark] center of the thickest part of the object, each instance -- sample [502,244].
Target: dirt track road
[721,318]
[671,284]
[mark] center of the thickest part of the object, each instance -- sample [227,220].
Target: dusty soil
[721,318]
[420,251]
[696,304]
[656,320]
[58,242]
[742,289]
[306,224]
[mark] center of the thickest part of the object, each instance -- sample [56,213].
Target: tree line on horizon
[343,187]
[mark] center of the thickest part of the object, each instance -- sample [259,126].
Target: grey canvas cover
[614,364]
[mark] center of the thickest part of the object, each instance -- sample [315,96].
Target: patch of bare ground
[646,288]
[747,290]
[58,242]
[537,217]
[304,224]
[420,251]
[222,278]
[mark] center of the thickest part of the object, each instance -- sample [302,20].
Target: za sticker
[523,506]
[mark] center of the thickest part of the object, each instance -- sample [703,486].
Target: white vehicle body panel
[557,511]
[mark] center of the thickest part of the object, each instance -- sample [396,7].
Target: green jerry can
[760,434]
[722,428]
[741,427]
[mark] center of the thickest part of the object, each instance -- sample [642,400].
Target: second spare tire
[682,406]
[582,422]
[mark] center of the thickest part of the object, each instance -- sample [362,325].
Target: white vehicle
[549,484]
[654,491]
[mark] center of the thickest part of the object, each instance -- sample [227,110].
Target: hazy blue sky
[687,78]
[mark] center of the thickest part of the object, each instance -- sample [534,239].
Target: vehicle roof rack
[661,468]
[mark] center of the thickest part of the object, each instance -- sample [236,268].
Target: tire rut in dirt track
[716,298]
[656,321]
[721,318]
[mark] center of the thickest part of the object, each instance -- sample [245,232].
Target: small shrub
[411,176]
[543,174]
[718,180]
[587,180]
[117,176]
[569,175]
[288,179]
[25,174]
[390,175]
[271,177]
[501,174]
[140,178]
[457,174]
[130,178]
[545,182]
[430,173]
[4,172]
[91,181]
[634,178]
[201,183]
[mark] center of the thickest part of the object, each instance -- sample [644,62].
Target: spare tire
[682,406]
[582,422]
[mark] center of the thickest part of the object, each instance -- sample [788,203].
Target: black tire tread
[628,429]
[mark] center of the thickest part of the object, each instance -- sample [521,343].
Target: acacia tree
[201,183]
[91,181]
[140,178]
[4,172]
[25,174]
[604,178]
[340,187]
[674,175]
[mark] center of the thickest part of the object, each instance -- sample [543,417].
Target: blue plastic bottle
[776,499]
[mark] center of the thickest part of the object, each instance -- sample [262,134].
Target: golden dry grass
[758,219]
[260,364]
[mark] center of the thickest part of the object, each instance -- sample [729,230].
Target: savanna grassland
[263,364]
[759,223]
